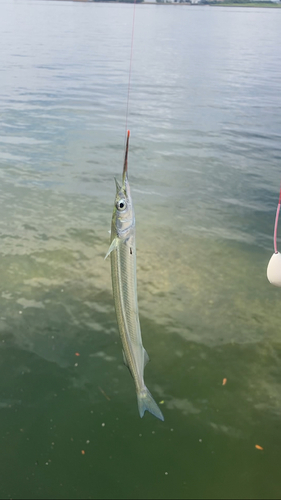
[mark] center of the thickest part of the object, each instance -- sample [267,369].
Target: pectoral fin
[113,245]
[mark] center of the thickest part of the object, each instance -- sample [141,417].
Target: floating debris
[258,447]
[224,381]
[104,394]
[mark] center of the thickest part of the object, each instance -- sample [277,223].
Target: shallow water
[204,168]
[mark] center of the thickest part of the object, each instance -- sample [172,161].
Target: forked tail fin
[146,402]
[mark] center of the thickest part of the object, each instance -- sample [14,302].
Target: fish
[122,252]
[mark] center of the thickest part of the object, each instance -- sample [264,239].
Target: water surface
[204,164]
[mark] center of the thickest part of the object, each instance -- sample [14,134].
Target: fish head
[123,220]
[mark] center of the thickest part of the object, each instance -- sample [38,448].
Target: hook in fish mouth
[125,168]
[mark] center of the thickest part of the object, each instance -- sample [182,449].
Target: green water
[204,169]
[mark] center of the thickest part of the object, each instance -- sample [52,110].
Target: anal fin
[126,362]
[125,359]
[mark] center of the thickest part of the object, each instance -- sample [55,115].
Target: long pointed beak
[118,187]
[125,168]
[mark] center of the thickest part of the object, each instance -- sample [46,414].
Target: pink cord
[276,223]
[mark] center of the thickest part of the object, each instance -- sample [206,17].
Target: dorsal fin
[145,357]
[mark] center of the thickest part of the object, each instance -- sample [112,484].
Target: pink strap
[276,223]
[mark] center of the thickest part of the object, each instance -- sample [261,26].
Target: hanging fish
[122,251]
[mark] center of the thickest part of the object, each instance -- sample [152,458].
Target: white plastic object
[274,269]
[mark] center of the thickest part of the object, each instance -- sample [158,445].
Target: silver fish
[124,284]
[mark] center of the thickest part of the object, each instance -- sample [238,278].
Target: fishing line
[130,72]
[274,265]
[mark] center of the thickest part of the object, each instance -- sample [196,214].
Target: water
[204,169]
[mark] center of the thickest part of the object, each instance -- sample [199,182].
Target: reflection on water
[204,168]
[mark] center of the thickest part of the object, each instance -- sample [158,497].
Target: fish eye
[121,205]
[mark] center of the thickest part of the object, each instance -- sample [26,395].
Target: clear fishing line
[274,265]
[130,73]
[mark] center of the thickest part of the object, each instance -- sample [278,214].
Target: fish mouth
[125,167]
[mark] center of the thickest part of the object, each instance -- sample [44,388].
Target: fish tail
[147,403]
